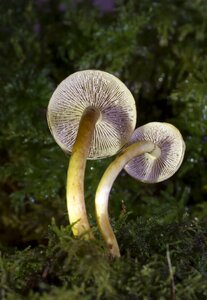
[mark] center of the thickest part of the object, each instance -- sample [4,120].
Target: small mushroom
[91,114]
[155,152]
[164,160]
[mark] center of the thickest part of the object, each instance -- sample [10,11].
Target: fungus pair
[92,115]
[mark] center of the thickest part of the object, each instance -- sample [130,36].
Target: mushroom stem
[76,172]
[105,185]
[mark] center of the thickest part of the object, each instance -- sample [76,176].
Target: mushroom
[91,114]
[154,153]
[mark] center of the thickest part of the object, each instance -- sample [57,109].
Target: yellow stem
[76,172]
[104,188]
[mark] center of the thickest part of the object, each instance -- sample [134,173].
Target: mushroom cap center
[95,110]
[155,154]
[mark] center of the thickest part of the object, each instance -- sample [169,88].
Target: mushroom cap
[103,91]
[158,165]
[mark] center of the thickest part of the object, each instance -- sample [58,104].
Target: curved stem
[76,172]
[104,188]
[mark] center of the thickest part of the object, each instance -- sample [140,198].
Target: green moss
[67,267]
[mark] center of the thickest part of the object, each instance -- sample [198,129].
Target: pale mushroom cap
[102,91]
[149,168]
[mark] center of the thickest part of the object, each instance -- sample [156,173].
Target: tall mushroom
[155,152]
[91,114]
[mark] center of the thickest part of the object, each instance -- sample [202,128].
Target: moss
[68,267]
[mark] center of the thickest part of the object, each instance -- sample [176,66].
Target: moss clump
[66,267]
